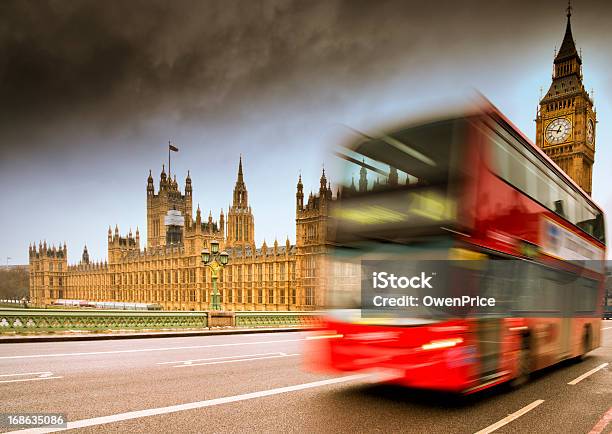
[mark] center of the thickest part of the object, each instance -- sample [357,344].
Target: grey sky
[92,91]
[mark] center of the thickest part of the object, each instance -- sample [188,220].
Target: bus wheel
[524,366]
[586,342]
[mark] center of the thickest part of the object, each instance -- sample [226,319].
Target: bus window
[513,163]
[422,154]
[541,289]
[585,295]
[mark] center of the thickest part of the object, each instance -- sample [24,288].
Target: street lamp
[215,261]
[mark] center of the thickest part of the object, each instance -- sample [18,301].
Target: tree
[14,282]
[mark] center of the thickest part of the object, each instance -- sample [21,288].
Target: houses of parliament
[168,271]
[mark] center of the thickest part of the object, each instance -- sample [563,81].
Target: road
[256,383]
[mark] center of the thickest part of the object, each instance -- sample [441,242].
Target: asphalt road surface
[256,383]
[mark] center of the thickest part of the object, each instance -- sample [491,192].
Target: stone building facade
[168,271]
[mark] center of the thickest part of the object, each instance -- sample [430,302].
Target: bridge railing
[278,319]
[72,319]
[32,320]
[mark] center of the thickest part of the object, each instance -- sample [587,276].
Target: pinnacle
[240,174]
[568,46]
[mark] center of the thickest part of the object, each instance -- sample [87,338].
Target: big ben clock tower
[565,123]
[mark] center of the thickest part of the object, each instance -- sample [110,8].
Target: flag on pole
[173,148]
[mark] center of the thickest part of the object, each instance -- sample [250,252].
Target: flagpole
[168,159]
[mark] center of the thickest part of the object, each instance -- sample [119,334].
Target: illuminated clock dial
[558,131]
[590,132]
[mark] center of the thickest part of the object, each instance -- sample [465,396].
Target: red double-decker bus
[470,187]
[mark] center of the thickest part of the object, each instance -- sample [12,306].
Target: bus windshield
[419,155]
[402,181]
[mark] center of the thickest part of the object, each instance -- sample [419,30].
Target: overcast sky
[92,91]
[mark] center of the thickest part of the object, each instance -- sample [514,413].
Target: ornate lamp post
[215,261]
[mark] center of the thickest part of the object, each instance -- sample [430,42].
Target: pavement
[255,383]
[79,335]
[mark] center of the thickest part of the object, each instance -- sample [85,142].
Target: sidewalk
[129,334]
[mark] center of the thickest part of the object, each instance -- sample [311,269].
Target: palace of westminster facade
[283,277]
[169,271]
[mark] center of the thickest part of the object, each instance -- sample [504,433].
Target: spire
[85,257]
[163,178]
[240,190]
[568,47]
[323,180]
[188,188]
[240,178]
[363,178]
[150,187]
[299,196]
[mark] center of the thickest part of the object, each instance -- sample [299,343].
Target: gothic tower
[565,122]
[48,266]
[168,198]
[240,222]
[312,243]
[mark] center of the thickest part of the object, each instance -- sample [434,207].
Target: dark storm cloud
[113,63]
[125,59]
[90,91]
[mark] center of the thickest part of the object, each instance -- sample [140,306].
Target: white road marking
[30,379]
[219,358]
[189,364]
[586,374]
[45,375]
[144,350]
[194,405]
[26,373]
[506,420]
[606,328]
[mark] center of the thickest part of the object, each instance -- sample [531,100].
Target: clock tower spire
[565,122]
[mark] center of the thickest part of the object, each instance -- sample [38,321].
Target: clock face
[558,131]
[590,133]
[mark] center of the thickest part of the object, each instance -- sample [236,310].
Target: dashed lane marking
[506,420]
[586,374]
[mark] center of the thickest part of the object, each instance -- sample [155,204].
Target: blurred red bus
[466,187]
